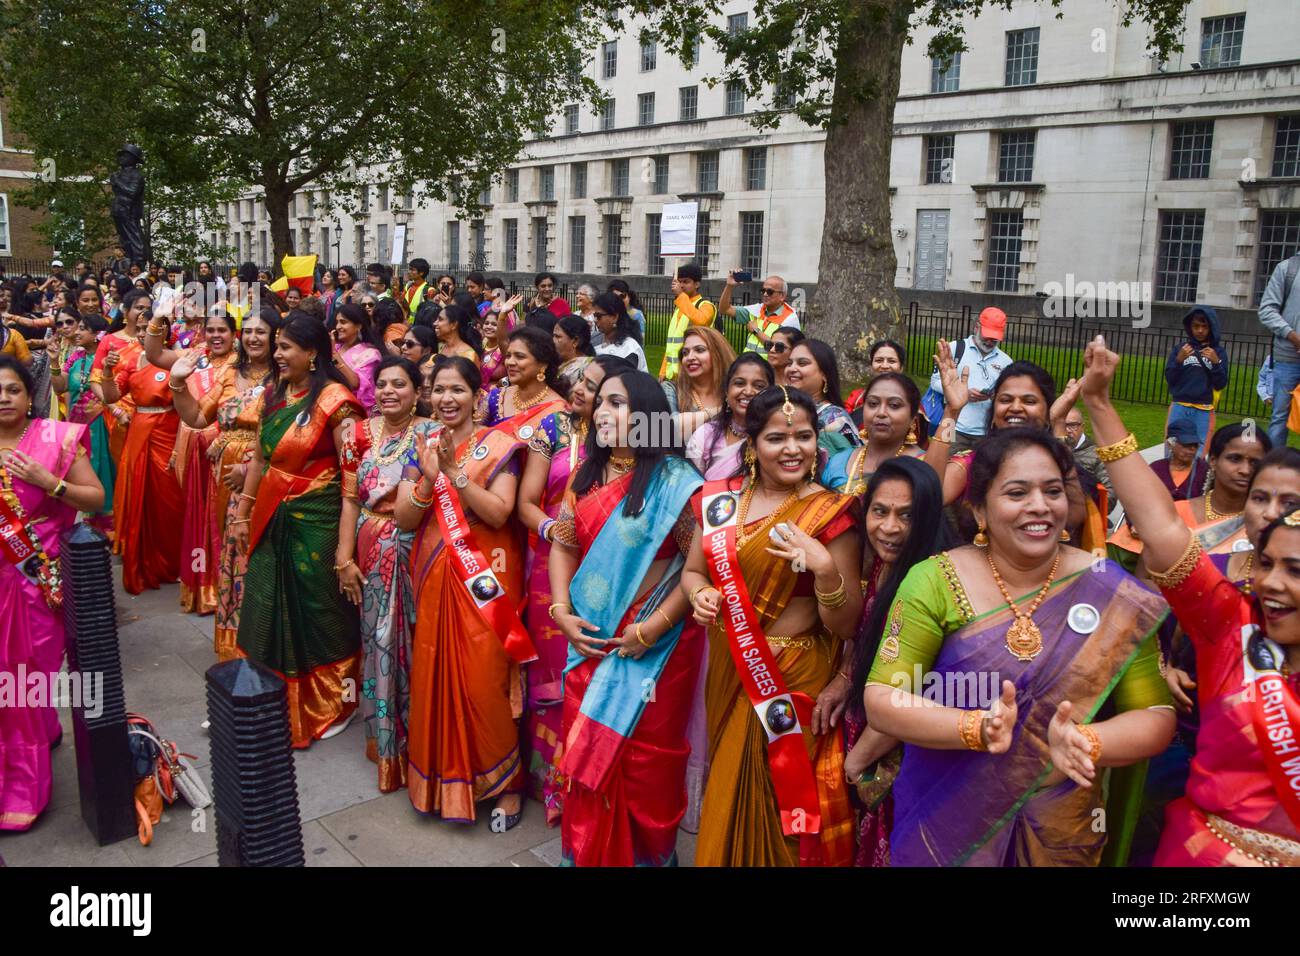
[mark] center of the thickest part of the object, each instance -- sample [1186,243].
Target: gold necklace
[621,466]
[523,406]
[743,513]
[403,444]
[1211,514]
[21,435]
[469,451]
[1247,573]
[1024,639]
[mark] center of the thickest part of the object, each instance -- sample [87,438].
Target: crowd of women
[809,635]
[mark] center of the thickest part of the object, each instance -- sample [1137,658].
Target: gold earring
[541,376]
[751,461]
[1065,535]
[812,472]
[911,435]
[981,539]
[312,366]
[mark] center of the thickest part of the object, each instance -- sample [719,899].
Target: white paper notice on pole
[677,228]
[399,244]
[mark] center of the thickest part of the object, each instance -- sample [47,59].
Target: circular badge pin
[203,363]
[160,376]
[780,717]
[480,452]
[257,390]
[1083,618]
[721,509]
[1242,544]
[303,419]
[526,433]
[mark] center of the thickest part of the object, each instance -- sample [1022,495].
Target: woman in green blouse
[1023,702]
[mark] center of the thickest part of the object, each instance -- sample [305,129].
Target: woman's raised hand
[956,392]
[1099,367]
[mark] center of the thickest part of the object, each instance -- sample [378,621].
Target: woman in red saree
[204,390]
[555,451]
[776,793]
[45,479]
[147,501]
[125,344]
[1242,806]
[466,685]
[620,542]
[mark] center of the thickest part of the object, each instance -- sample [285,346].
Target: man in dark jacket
[1196,369]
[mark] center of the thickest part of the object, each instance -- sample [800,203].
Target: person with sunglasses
[774,312]
[61,347]
[778,349]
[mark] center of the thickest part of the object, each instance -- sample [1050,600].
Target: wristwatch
[460,481]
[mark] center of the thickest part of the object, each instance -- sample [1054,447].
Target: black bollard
[104,772]
[254,784]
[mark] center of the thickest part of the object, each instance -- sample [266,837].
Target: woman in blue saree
[619,547]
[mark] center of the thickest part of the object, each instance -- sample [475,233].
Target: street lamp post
[338,238]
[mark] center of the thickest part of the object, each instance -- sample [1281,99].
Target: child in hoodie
[1196,369]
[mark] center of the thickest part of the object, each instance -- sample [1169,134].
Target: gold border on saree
[1267,848]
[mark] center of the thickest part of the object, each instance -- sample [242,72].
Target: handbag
[159,758]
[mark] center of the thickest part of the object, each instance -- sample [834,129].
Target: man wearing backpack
[1279,310]
[981,352]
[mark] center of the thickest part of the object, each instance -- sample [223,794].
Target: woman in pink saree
[555,451]
[45,479]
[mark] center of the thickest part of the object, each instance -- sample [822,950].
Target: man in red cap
[981,352]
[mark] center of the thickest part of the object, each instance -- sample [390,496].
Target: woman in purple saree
[1036,696]
[45,479]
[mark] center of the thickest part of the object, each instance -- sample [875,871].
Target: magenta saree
[31,632]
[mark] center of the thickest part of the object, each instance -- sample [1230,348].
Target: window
[940,152]
[579,173]
[945,80]
[263,248]
[1016,157]
[783,96]
[512,185]
[660,174]
[1005,226]
[751,242]
[1022,57]
[1221,40]
[1189,152]
[4,223]
[383,242]
[737,23]
[645,109]
[620,179]
[693,54]
[358,243]
[756,168]
[609,59]
[478,243]
[1178,258]
[547,190]
[485,197]
[607,114]
[571,118]
[1279,238]
[1286,146]
[735,98]
[577,243]
[325,244]
[702,225]
[613,245]
[688,99]
[539,243]
[654,265]
[453,244]
[383,198]
[706,171]
[363,198]
[649,52]
[511,251]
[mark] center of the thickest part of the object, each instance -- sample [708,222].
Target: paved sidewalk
[346,821]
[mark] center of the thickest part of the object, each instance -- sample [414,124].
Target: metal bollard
[253,779]
[104,773]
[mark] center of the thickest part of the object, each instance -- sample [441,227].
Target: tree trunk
[277,200]
[856,302]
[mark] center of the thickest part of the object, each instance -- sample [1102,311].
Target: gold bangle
[640,639]
[1094,741]
[695,592]
[174,388]
[237,521]
[839,588]
[667,620]
[1114,452]
[245,497]
[340,567]
[969,727]
[550,611]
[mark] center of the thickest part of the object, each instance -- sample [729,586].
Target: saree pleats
[199,546]
[148,503]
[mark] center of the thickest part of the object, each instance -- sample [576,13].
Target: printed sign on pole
[677,228]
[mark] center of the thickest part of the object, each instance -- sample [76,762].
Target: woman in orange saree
[147,497]
[533,387]
[769,778]
[119,346]
[614,569]
[299,614]
[466,685]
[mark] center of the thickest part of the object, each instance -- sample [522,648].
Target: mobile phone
[743,276]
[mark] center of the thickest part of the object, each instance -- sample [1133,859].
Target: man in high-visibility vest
[417,278]
[767,318]
[689,308]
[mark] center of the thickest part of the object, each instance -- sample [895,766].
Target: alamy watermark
[1085,299]
[24,688]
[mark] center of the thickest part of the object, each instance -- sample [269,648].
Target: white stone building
[1053,151]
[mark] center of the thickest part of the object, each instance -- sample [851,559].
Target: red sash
[1275,712]
[780,712]
[22,548]
[477,576]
